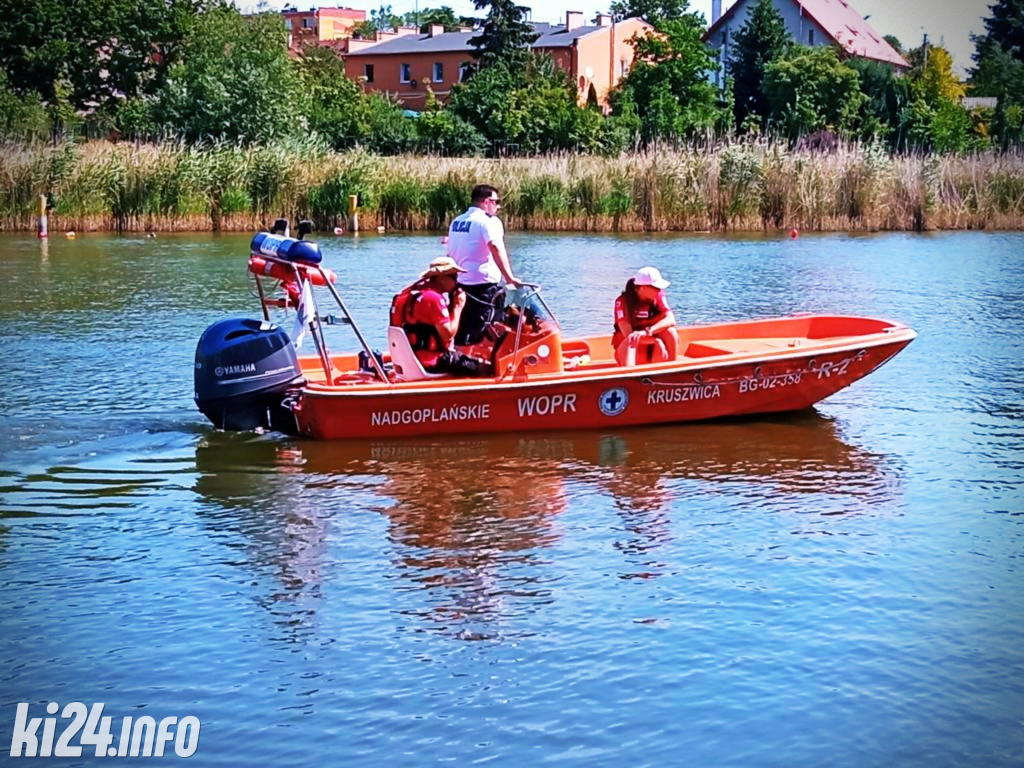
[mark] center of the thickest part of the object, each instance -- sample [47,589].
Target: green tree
[381,19]
[235,83]
[943,127]
[932,73]
[933,118]
[624,127]
[481,100]
[102,50]
[133,119]
[885,96]
[651,11]
[809,90]
[668,83]
[915,123]
[999,67]
[388,130]
[440,132]
[760,41]
[444,16]
[528,110]
[22,118]
[950,128]
[504,35]
[1005,30]
[334,103]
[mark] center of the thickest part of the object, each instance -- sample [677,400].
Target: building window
[438,72]
[405,73]
[368,72]
[623,67]
[464,69]
[308,23]
[810,37]
[288,24]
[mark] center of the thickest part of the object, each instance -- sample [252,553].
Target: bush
[544,195]
[446,199]
[399,200]
[440,132]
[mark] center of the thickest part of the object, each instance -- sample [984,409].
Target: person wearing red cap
[429,311]
[644,319]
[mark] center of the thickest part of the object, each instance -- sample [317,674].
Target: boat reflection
[471,520]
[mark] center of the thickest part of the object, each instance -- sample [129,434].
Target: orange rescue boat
[248,375]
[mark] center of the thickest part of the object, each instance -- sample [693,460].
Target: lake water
[842,587]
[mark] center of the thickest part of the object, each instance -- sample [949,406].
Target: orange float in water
[794,233]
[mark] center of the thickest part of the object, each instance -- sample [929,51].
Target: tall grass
[734,187]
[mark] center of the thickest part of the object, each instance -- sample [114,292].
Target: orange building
[597,56]
[320,26]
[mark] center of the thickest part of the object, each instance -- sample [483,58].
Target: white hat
[443,265]
[650,276]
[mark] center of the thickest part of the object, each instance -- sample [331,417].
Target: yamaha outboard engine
[243,369]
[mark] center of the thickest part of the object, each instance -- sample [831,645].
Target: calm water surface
[843,587]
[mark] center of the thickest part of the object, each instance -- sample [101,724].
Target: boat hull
[735,384]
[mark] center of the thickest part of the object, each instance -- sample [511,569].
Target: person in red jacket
[429,311]
[644,321]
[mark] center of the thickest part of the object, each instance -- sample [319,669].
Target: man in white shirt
[476,241]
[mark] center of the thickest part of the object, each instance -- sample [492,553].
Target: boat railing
[524,295]
[315,322]
[533,292]
[529,292]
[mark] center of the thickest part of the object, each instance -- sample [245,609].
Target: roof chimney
[603,20]
[716,10]
[573,20]
[435,29]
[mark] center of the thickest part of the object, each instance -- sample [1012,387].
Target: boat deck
[695,343]
[740,346]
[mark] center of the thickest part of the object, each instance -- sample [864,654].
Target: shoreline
[737,188]
[56,231]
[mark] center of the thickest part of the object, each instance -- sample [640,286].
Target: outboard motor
[243,369]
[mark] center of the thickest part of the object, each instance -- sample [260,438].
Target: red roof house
[810,22]
[597,56]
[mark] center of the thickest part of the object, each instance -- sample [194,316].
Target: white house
[810,22]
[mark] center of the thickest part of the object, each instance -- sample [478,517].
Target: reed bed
[730,187]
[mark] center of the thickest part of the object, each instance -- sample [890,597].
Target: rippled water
[840,587]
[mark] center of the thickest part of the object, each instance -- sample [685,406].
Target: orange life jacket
[421,335]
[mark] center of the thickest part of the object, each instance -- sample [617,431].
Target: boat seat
[407,365]
[649,350]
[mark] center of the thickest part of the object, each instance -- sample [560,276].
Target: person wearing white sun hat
[429,311]
[643,320]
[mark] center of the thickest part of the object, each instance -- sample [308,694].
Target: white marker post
[42,229]
[353,213]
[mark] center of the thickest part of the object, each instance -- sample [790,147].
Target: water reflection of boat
[520,473]
[795,453]
[463,513]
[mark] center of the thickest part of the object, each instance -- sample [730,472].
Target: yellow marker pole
[353,213]
[42,227]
